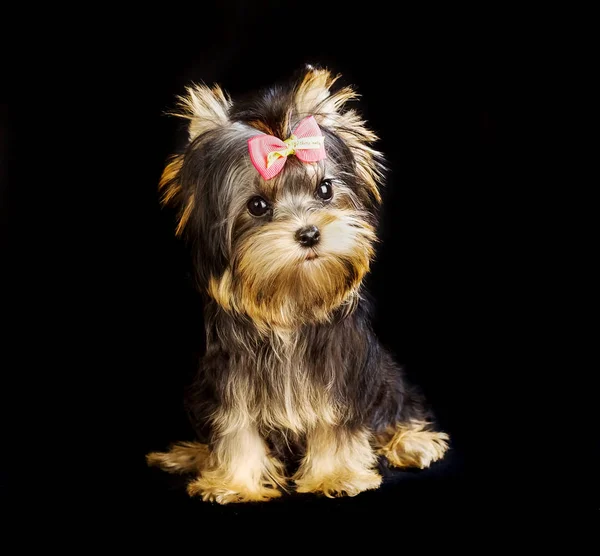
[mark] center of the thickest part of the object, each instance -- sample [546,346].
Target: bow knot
[268,154]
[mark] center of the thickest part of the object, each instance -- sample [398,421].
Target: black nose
[308,236]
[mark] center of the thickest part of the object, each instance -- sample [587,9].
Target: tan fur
[261,126]
[183,457]
[185,215]
[172,192]
[275,285]
[313,96]
[279,288]
[171,170]
[288,401]
[206,109]
[273,282]
[168,180]
[337,462]
[359,140]
[215,488]
[221,290]
[239,468]
[412,445]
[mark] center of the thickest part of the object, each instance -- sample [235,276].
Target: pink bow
[268,154]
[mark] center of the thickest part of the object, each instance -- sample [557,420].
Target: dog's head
[291,248]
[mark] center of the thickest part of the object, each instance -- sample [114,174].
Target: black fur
[343,353]
[367,381]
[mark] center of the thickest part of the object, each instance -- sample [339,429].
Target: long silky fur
[292,371]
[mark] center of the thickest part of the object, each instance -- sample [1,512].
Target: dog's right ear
[206,109]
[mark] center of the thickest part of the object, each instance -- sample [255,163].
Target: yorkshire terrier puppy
[278,197]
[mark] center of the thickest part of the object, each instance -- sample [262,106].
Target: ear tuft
[313,96]
[206,108]
[313,90]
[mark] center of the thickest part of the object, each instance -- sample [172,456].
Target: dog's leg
[183,457]
[239,469]
[337,461]
[412,444]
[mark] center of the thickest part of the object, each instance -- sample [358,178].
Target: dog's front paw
[217,491]
[339,484]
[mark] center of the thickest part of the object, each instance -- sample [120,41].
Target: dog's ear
[206,109]
[314,96]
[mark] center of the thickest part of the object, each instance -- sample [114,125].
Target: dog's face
[287,250]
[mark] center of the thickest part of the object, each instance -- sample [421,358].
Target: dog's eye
[258,206]
[325,190]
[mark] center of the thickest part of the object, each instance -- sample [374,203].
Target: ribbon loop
[268,154]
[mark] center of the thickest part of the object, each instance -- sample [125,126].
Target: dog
[278,196]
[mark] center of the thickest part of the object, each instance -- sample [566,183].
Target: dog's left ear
[314,96]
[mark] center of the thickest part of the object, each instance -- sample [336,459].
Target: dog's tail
[183,457]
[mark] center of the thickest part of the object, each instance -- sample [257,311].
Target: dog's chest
[293,391]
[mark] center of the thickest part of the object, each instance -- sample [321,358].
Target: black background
[433,86]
